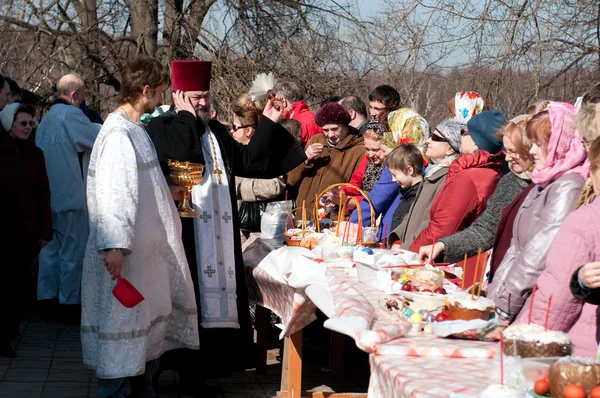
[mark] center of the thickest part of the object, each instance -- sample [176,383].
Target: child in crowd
[406,166]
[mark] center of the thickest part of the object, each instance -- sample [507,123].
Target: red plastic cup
[126,293]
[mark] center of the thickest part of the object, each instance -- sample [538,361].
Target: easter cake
[533,341]
[576,371]
[464,306]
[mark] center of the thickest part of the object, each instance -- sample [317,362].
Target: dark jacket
[408,197]
[25,215]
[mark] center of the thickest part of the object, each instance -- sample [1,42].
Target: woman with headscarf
[559,174]
[471,180]
[480,235]
[466,104]
[406,127]
[574,251]
[443,147]
[25,214]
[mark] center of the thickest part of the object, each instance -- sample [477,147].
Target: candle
[475,274]
[482,275]
[547,313]
[318,224]
[383,241]
[432,246]
[337,229]
[501,358]
[464,269]
[531,304]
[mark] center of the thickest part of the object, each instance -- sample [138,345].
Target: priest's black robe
[272,152]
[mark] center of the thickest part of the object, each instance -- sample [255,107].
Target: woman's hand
[183,103]
[425,252]
[332,197]
[313,150]
[42,243]
[272,113]
[114,262]
[589,275]
[178,193]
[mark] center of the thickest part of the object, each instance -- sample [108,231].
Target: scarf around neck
[434,167]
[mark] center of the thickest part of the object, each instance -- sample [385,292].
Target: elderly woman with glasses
[471,180]
[25,215]
[482,233]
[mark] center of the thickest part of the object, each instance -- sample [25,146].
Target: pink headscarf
[565,152]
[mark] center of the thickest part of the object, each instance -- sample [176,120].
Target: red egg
[440,290]
[414,289]
[441,317]
[541,387]
[595,393]
[573,391]
[318,260]
[407,287]
[427,291]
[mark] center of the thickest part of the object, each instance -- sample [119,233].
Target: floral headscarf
[468,104]
[406,127]
[565,152]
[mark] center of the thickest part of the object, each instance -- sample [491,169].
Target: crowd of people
[93,202]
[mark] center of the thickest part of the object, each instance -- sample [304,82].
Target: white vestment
[214,241]
[64,132]
[131,207]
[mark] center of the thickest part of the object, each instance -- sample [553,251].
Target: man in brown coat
[332,156]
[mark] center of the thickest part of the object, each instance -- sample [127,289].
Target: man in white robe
[135,233]
[65,134]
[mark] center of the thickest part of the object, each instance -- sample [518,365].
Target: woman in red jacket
[472,178]
[25,215]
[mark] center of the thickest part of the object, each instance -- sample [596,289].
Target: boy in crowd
[406,165]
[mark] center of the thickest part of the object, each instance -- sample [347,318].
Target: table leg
[262,322]
[337,354]
[291,373]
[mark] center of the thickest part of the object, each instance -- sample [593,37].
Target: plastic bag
[250,213]
[274,216]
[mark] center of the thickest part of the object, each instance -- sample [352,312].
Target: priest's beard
[203,115]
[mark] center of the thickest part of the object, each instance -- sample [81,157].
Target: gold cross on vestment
[217,171]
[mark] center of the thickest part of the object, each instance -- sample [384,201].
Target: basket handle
[292,217]
[362,192]
[360,223]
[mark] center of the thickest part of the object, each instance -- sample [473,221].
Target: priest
[212,241]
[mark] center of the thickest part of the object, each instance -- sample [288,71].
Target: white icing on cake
[579,361]
[499,391]
[463,299]
[535,333]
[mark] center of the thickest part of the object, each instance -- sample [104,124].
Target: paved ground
[49,364]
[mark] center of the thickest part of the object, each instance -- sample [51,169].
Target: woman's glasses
[437,138]
[235,128]
[23,123]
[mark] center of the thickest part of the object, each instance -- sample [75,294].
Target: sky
[368,7]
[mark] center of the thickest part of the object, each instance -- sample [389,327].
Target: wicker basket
[345,205]
[289,238]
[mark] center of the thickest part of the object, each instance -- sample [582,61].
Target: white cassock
[131,207]
[65,132]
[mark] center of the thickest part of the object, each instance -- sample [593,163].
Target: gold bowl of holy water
[186,174]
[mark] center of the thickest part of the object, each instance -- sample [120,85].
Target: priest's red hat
[190,75]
